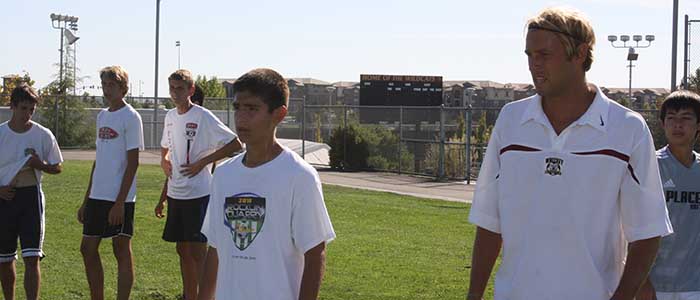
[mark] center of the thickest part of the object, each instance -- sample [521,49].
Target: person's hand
[167,167]
[646,292]
[35,162]
[159,210]
[116,214]
[191,170]
[81,213]
[7,192]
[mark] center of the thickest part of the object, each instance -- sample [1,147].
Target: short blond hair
[117,74]
[572,28]
[182,75]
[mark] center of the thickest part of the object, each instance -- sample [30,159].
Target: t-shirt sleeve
[218,134]
[52,154]
[211,218]
[166,133]
[134,133]
[643,208]
[311,224]
[484,209]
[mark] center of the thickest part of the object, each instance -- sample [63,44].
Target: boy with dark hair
[675,274]
[108,207]
[28,150]
[193,138]
[266,221]
[198,96]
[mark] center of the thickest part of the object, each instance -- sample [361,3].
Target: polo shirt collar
[596,116]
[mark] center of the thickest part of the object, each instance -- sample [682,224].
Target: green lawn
[388,246]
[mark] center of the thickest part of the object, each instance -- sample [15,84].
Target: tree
[212,88]
[10,85]
[694,82]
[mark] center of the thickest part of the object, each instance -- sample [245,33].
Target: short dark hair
[182,75]
[681,100]
[267,84]
[198,96]
[23,92]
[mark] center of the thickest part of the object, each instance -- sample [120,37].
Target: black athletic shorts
[22,218]
[185,217]
[96,220]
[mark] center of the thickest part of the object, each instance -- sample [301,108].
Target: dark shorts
[22,218]
[185,217]
[96,220]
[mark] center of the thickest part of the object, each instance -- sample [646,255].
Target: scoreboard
[400,90]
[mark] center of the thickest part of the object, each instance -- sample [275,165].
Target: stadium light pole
[177,44]
[61,22]
[155,83]
[632,55]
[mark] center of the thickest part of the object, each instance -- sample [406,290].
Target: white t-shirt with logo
[190,137]
[16,147]
[262,221]
[117,132]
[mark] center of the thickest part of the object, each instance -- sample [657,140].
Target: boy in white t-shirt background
[266,221]
[28,150]
[108,207]
[193,138]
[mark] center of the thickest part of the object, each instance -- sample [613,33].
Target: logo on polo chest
[553,166]
[244,215]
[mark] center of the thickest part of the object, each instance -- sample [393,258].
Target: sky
[328,40]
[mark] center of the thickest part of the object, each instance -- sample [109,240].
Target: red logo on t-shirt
[191,125]
[107,133]
[190,130]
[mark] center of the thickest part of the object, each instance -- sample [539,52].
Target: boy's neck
[116,105]
[184,108]
[19,126]
[259,154]
[683,153]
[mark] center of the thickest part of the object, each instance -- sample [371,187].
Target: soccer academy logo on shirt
[190,130]
[107,133]
[244,215]
[553,166]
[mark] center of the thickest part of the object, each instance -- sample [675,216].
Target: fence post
[441,169]
[303,127]
[345,131]
[228,112]
[154,123]
[468,141]
[400,134]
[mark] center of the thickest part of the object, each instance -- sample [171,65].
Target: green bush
[366,147]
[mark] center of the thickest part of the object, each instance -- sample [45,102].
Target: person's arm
[314,267]
[165,162]
[87,196]
[161,201]
[116,213]
[647,291]
[487,246]
[207,284]
[191,170]
[36,163]
[640,258]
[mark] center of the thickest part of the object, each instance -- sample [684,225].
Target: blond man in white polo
[569,183]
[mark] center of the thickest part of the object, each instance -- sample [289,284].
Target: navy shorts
[185,218]
[96,220]
[22,218]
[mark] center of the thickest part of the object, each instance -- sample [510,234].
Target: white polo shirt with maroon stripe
[567,205]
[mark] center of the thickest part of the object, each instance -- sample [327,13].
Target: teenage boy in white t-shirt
[28,150]
[193,138]
[108,208]
[266,221]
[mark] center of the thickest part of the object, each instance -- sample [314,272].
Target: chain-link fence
[430,141]
[691,65]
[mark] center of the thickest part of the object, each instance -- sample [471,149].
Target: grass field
[388,246]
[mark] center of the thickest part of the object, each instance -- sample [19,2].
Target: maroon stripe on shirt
[518,148]
[615,154]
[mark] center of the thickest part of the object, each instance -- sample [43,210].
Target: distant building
[641,96]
